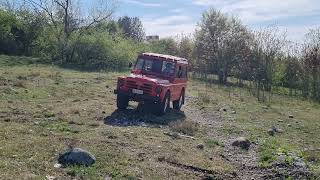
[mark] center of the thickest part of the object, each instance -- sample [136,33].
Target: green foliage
[132,28]
[19,31]
[165,46]
[221,44]
[102,51]
[267,152]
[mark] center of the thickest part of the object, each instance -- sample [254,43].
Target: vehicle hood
[149,78]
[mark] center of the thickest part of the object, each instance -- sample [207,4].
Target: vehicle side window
[179,72]
[184,72]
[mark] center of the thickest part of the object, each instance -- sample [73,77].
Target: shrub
[101,51]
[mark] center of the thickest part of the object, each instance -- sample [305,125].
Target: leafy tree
[132,28]
[220,42]
[165,46]
[292,74]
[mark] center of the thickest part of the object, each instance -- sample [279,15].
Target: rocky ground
[245,161]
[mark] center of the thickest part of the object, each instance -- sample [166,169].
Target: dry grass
[184,127]
[20,84]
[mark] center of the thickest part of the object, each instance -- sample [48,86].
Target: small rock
[200,146]
[233,112]
[51,178]
[173,135]
[108,177]
[291,116]
[161,158]
[271,132]
[242,142]
[280,131]
[76,156]
[289,125]
[57,165]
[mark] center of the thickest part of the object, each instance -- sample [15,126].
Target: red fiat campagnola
[156,80]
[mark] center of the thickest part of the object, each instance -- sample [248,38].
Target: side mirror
[130,64]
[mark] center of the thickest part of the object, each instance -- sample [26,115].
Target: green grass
[45,108]
[54,108]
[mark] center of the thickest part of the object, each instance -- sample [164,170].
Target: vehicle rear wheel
[162,107]
[178,103]
[122,102]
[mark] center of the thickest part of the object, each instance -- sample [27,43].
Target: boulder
[242,142]
[76,156]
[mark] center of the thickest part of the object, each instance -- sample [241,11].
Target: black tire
[162,107]
[177,105]
[122,102]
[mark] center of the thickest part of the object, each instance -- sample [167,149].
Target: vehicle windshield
[156,66]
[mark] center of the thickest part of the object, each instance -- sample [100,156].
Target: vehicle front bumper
[138,97]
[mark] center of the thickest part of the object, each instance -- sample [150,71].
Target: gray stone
[242,142]
[271,132]
[200,146]
[76,156]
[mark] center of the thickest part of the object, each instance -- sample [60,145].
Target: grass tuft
[184,127]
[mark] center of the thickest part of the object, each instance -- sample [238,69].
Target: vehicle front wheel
[122,102]
[162,107]
[177,105]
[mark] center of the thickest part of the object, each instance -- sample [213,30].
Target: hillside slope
[45,110]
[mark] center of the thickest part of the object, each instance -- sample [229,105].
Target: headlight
[158,89]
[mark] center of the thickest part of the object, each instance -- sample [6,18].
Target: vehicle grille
[146,88]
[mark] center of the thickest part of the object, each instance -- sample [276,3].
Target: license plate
[137,91]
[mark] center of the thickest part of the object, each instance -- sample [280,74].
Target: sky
[172,17]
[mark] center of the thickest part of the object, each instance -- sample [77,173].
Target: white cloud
[169,25]
[257,11]
[141,3]
[265,12]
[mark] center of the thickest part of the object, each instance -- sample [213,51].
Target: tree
[311,63]
[132,28]
[166,46]
[67,21]
[220,43]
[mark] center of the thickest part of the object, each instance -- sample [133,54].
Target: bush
[101,51]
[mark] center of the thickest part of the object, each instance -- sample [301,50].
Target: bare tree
[70,17]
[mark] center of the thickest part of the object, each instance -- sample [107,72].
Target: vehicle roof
[166,57]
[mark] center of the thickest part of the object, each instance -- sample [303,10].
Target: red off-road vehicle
[156,80]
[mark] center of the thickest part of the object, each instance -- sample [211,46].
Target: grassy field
[46,109]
